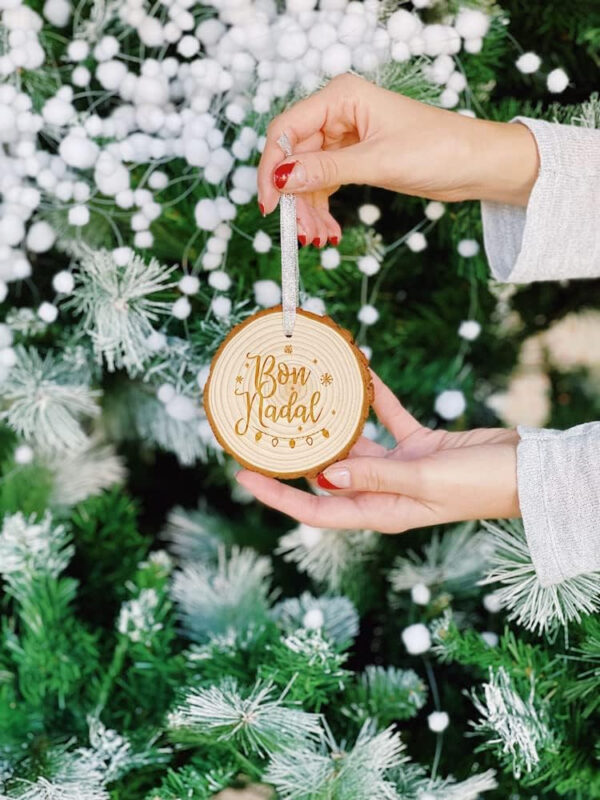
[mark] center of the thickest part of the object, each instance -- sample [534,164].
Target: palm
[375,509]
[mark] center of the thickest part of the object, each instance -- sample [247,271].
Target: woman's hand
[429,478]
[355,132]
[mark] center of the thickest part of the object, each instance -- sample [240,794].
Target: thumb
[323,169]
[374,475]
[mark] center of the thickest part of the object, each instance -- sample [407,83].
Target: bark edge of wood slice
[288,407]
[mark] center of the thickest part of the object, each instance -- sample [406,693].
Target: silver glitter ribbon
[289,250]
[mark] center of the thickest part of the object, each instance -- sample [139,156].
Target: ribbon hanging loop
[288,233]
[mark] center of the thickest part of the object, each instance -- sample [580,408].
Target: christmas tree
[163,636]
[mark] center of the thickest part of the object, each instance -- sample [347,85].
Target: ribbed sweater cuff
[559,495]
[557,236]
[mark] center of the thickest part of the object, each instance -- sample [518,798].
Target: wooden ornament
[283,406]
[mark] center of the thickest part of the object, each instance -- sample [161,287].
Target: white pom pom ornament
[219,280]
[438,721]
[40,237]
[368,315]
[330,258]
[261,242]
[420,594]
[472,23]
[491,603]
[57,12]
[435,210]
[557,81]
[47,312]
[8,358]
[403,26]
[78,216]
[77,50]
[6,335]
[473,45]
[63,282]
[467,248]
[206,214]
[181,408]
[368,214]
[528,63]
[416,242]
[189,284]
[267,293]
[450,404]
[337,58]
[78,151]
[221,306]
[122,256]
[181,308]
[416,638]
[490,638]
[23,454]
[469,329]
[111,74]
[165,392]
[313,620]
[368,265]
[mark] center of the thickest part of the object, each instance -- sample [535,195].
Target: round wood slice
[288,406]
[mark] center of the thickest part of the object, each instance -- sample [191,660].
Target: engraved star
[326,379]
[239,379]
[288,349]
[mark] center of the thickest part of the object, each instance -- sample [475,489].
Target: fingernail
[316,242]
[262,209]
[334,478]
[302,239]
[334,240]
[282,173]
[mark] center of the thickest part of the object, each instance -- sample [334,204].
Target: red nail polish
[316,242]
[324,483]
[262,208]
[302,239]
[334,240]
[282,173]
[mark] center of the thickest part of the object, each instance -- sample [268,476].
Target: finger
[390,411]
[382,475]
[332,231]
[303,121]
[314,142]
[366,447]
[394,513]
[320,169]
[306,221]
[317,511]
[322,234]
[363,447]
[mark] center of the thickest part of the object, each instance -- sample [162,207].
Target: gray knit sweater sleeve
[556,237]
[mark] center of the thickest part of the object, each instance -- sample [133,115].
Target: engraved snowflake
[326,379]
[239,379]
[288,349]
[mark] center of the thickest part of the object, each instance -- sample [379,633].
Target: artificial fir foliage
[162,636]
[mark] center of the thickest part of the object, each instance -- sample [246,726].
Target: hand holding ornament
[430,477]
[353,131]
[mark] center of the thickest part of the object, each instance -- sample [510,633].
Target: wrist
[505,162]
